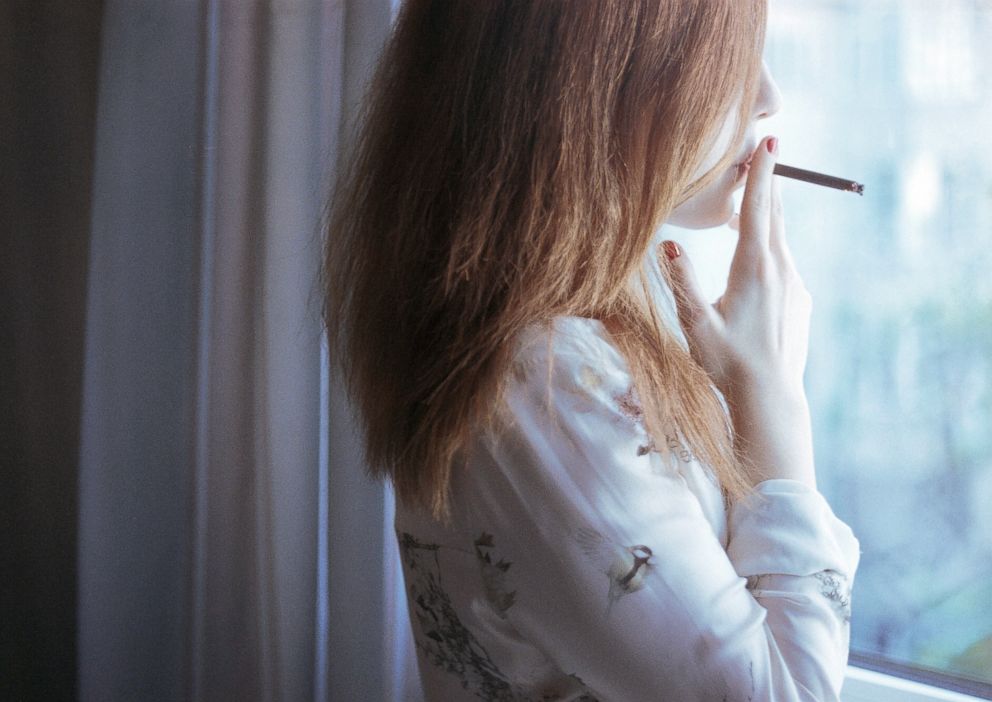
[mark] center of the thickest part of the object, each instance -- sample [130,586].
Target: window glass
[897,94]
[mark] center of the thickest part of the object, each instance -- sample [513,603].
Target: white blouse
[583,561]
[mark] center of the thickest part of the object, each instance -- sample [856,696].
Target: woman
[596,499]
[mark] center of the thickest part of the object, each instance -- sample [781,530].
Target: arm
[619,576]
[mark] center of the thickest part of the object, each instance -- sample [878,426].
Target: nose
[769,100]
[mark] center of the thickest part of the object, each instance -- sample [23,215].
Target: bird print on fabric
[624,566]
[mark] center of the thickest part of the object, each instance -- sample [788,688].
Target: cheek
[710,207]
[714,205]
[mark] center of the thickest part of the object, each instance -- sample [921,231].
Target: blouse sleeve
[619,577]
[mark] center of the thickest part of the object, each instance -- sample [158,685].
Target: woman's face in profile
[714,205]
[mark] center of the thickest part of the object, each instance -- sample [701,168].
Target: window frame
[938,679]
[864,685]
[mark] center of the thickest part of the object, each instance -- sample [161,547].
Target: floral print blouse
[586,560]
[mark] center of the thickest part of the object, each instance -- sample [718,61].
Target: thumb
[690,303]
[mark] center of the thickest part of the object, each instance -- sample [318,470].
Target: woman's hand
[753,341]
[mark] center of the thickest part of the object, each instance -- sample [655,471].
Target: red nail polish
[772,145]
[672,250]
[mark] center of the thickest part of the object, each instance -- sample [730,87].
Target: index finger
[755,220]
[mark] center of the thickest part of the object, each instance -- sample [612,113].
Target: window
[896,94]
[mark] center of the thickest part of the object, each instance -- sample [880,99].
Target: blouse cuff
[788,528]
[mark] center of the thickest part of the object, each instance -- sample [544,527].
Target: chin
[702,214]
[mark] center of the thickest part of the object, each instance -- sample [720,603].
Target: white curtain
[230,547]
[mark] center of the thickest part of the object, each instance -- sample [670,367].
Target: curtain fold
[139,364]
[258,408]
[369,644]
[226,549]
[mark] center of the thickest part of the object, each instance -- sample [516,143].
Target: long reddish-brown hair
[514,161]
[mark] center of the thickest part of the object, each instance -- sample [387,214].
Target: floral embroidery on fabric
[678,448]
[835,588]
[833,585]
[624,566]
[630,407]
[493,576]
[446,642]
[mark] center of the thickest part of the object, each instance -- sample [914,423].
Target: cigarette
[819,179]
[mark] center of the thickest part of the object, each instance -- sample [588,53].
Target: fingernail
[672,250]
[772,145]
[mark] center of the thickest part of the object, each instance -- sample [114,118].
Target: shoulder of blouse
[568,350]
[569,372]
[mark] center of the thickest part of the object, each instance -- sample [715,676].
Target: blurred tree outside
[896,94]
